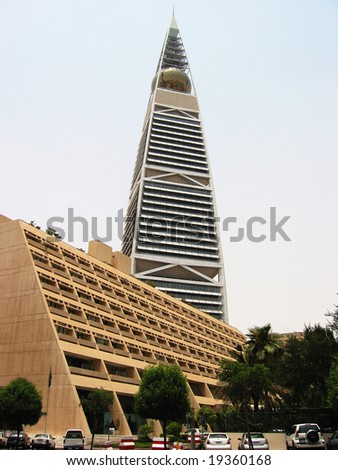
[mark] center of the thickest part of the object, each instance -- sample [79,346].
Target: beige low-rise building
[71,322]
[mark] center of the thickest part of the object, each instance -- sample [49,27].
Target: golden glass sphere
[172,79]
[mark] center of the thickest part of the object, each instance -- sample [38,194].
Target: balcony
[88,372]
[121,378]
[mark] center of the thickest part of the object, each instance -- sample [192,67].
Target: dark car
[23,443]
[332,442]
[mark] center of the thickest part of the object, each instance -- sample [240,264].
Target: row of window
[172,336]
[179,189]
[154,200]
[170,135]
[84,337]
[80,365]
[177,122]
[175,164]
[157,142]
[108,282]
[166,133]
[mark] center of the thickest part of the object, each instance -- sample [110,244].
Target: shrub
[143,432]
[174,430]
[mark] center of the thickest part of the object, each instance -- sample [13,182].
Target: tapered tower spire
[171,233]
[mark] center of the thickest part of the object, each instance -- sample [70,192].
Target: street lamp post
[191,423]
[203,425]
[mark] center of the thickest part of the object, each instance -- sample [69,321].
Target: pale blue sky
[74,84]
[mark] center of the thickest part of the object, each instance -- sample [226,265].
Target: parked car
[197,431]
[218,440]
[259,441]
[3,439]
[43,441]
[332,442]
[23,443]
[74,439]
[305,436]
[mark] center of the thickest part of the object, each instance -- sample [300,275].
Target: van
[74,439]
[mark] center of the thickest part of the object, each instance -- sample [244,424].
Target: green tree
[332,387]
[262,347]
[307,361]
[333,324]
[209,414]
[242,384]
[20,404]
[163,395]
[94,406]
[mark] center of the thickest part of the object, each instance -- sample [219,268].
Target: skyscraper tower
[170,230]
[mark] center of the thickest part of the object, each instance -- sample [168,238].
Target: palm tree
[261,347]
[242,384]
[262,344]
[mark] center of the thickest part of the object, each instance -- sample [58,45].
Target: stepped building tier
[72,322]
[171,232]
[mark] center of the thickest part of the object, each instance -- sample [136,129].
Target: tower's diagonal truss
[171,231]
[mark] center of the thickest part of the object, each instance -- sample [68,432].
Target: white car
[3,439]
[74,439]
[258,440]
[218,441]
[43,441]
[305,436]
[198,432]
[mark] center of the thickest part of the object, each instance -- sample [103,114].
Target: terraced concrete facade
[83,318]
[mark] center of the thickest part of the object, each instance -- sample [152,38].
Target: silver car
[218,440]
[258,440]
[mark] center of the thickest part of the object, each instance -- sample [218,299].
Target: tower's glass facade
[171,231]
